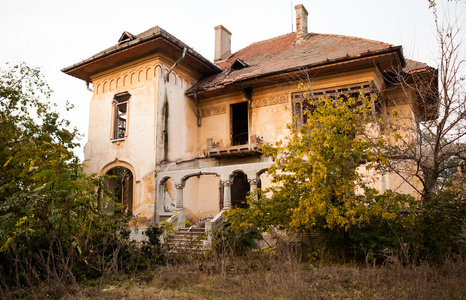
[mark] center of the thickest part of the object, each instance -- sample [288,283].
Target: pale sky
[53,34]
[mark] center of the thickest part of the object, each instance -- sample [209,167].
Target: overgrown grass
[255,276]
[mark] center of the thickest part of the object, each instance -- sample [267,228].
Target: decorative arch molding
[261,171]
[164,71]
[158,71]
[141,75]
[133,78]
[149,73]
[236,172]
[186,177]
[164,179]
[126,163]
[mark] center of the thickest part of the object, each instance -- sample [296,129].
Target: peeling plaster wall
[202,197]
[137,152]
[401,100]
[142,151]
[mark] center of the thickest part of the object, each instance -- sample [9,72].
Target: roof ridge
[152,29]
[258,42]
[313,34]
[353,37]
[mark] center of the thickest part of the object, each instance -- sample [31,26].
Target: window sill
[118,140]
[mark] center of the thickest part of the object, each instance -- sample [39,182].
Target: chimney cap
[222,28]
[298,6]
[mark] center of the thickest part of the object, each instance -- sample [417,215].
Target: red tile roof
[282,54]
[135,46]
[413,66]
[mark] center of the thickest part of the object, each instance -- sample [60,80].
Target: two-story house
[183,133]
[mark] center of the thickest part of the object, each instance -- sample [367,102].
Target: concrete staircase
[188,240]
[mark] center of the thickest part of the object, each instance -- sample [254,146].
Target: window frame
[120,99]
[298,101]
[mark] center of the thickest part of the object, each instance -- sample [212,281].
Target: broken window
[301,104]
[239,124]
[120,123]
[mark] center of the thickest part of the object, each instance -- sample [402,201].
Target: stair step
[192,230]
[182,240]
[187,240]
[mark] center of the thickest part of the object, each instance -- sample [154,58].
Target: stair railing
[213,225]
[174,223]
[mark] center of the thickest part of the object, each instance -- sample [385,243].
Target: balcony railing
[253,148]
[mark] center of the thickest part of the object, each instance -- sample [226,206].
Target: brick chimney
[301,23]
[222,43]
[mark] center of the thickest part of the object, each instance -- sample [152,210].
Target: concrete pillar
[161,197]
[253,184]
[179,199]
[226,194]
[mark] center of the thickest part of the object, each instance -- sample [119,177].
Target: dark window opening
[239,124]
[239,64]
[120,102]
[126,37]
[239,190]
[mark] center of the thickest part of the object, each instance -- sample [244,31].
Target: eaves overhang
[385,60]
[158,41]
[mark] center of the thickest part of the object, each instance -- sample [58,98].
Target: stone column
[179,199]
[226,194]
[253,184]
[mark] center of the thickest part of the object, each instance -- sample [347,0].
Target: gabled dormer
[126,37]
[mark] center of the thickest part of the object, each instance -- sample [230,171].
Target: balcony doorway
[239,124]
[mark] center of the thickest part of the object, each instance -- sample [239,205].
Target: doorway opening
[239,190]
[239,124]
[120,184]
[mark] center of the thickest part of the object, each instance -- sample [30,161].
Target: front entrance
[120,184]
[239,190]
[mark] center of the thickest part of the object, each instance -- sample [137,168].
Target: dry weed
[256,277]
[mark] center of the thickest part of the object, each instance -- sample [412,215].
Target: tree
[32,136]
[318,173]
[51,224]
[437,143]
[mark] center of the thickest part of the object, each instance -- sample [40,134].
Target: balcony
[250,149]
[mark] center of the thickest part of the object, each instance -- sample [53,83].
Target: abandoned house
[183,134]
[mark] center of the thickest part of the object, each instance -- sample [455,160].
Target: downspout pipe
[198,114]
[167,77]
[88,88]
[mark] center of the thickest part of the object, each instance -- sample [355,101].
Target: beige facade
[187,132]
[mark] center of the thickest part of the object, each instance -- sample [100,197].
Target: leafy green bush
[237,241]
